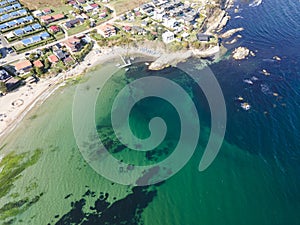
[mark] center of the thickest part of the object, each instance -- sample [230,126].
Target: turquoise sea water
[254,179]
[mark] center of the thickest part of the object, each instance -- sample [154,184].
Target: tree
[38,71]
[3,88]
[185,44]
[150,36]
[47,64]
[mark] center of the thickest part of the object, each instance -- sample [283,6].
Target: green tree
[47,64]
[3,88]
[38,71]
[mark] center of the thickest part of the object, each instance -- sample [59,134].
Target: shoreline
[34,95]
[30,96]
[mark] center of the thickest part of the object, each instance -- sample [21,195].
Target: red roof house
[38,64]
[54,29]
[53,59]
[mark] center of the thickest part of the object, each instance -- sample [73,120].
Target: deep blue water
[273,123]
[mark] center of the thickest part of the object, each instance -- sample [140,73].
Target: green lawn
[122,6]
[59,35]
[77,29]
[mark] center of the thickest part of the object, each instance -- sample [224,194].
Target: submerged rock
[170,59]
[231,32]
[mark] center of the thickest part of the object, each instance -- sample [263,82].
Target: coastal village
[39,44]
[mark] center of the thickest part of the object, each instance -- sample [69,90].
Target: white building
[37,13]
[168,37]
[170,23]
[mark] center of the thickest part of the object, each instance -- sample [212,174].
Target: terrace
[28,29]
[12,15]
[35,39]
[10,8]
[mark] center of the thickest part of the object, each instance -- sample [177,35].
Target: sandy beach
[15,105]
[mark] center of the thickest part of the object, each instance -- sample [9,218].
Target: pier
[126,64]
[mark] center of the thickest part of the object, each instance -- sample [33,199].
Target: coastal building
[4,76]
[95,6]
[38,64]
[23,66]
[12,83]
[81,2]
[138,30]
[59,54]
[127,28]
[171,23]
[68,60]
[50,19]
[72,23]
[102,15]
[88,8]
[168,37]
[203,37]
[54,29]
[53,59]
[47,11]
[107,30]
[73,44]
[37,13]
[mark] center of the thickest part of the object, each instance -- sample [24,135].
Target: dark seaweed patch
[124,211]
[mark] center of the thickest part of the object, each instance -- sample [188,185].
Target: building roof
[23,65]
[127,28]
[95,6]
[68,60]
[38,64]
[54,28]
[203,37]
[58,16]
[47,17]
[107,26]
[73,43]
[48,10]
[53,58]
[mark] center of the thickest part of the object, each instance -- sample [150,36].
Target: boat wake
[255,3]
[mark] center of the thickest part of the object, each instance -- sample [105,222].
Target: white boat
[254,78]
[246,106]
[147,64]
[118,65]
[240,98]
[248,81]
[126,69]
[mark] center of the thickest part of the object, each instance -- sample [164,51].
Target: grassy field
[122,6]
[41,4]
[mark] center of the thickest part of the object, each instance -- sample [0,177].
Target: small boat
[126,69]
[147,64]
[132,58]
[117,65]
[254,78]
[246,106]
[240,98]
[248,81]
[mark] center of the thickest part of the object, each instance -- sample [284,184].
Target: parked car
[9,50]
